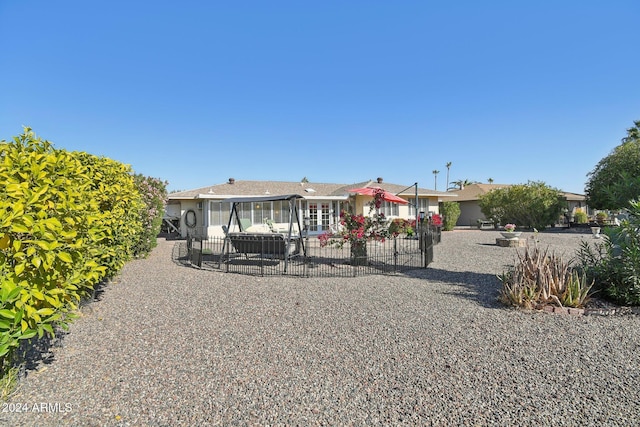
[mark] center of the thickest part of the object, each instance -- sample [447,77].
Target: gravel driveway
[174,346]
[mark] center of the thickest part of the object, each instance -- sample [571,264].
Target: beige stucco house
[468,198]
[203,211]
[470,213]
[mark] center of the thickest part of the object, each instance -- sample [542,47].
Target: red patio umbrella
[387,196]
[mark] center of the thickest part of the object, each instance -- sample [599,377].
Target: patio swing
[264,245]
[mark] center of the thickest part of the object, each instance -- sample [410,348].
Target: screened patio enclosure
[322,214]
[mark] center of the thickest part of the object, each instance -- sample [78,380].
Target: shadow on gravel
[98,291]
[481,288]
[36,352]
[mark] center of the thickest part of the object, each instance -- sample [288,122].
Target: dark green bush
[451,213]
[616,178]
[531,205]
[614,264]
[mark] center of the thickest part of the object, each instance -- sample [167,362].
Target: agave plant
[576,293]
[540,278]
[518,292]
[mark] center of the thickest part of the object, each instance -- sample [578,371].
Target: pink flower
[358,229]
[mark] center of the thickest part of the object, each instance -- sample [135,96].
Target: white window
[281,211]
[219,213]
[389,209]
[423,206]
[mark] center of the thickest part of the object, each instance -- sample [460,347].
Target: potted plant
[601,217]
[510,232]
[580,217]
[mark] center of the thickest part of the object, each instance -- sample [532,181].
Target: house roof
[264,198]
[235,188]
[574,197]
[401,190]
[310,190]
[474,191]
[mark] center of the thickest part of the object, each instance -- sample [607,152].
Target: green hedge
[451,213]
[68,220]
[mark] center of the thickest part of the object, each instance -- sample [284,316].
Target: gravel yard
[168,345]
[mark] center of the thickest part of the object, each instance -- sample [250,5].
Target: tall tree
[633,133]
[435,179]
[615,180]
[490,180]
[448,168]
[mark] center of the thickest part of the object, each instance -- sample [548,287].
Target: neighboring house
[203,211]
[469,196]
[574,202]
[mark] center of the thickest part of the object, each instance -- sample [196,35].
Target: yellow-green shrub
[66,222]
[119,205]
[581,217]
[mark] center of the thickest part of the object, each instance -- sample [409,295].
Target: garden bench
[271,245]
[484,222]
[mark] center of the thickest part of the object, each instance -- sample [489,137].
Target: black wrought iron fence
[274,254]
[436,232]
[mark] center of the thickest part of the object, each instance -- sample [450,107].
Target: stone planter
[359,253]
[511,235]
[510,243]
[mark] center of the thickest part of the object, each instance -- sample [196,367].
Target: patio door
[319,216]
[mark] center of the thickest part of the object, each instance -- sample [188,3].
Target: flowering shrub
[154,197]
[402,226]
[358,229]
[510,228]
[436,220]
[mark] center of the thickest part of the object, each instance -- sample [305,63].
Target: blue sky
[196,92]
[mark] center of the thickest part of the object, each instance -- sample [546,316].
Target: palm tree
[460,184]
[633,133]
[490,180]
[435,179]
[448,167]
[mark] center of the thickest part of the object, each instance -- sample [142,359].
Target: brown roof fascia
[238,188]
